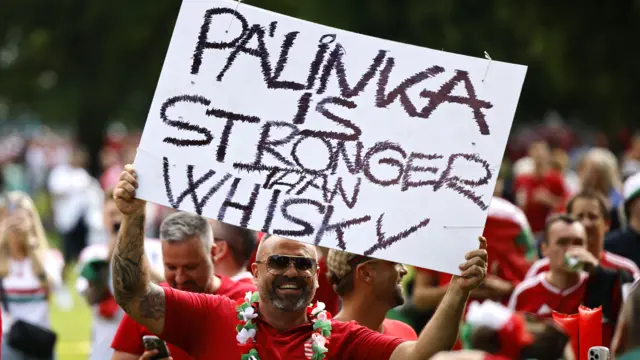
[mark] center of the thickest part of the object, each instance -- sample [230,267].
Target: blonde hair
[37,233]
[606,165]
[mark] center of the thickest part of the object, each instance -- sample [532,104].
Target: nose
[181,276]
[402,269]
[291,271]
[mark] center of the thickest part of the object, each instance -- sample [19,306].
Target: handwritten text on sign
[326,136]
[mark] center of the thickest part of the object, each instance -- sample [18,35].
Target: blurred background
[80,76]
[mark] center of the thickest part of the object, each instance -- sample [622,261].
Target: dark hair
[590,195]
[565,218]
[242,244]
[549,340]
[548,344]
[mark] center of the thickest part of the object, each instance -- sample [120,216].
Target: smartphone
[152,342]
[599,353]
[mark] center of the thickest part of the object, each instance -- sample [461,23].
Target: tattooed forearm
[152,305]
[130,270]
[133,290]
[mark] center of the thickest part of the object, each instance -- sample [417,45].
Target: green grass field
[73,327]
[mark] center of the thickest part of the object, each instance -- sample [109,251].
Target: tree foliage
[87,62]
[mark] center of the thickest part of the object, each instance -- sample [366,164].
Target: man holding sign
[276,323]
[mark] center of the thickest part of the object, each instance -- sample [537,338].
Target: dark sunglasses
[279,264]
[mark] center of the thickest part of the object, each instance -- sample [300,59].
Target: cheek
[170,276]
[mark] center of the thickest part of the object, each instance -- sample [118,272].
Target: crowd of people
[562,239]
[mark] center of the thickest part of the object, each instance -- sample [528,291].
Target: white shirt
[69,187]
[27,299]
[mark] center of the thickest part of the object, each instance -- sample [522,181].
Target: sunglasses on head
[279,264]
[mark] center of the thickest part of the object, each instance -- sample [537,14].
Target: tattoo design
[131,274]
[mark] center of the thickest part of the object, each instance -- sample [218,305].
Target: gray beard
[290,304]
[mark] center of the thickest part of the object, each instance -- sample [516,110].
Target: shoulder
[399,329]
[234,289]
[528,285]
[621,262]
[537,267]
[204,301]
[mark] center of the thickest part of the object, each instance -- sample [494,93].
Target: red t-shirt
[399,329]
[607,260]
[128,338]
[205,326]
[537,295]
[527,184]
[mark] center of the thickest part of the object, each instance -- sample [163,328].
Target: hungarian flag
[510,242]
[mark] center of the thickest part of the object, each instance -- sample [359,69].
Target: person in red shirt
[542,192]
[591,209]
[276,322]
[233,248]
[563,288]
[369,289]
[188,253]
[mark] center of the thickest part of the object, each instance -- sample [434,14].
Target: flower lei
[246,337]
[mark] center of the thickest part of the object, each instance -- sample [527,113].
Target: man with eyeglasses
[189,254]
[369,288]
[280,324]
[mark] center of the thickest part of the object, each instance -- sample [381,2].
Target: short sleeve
[364,343]
[128,338]
[188,315]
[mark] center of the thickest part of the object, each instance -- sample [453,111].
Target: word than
[284,208]
[329,61]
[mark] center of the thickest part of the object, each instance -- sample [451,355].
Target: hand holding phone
[155,343]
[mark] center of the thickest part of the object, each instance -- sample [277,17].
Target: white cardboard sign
[326,136]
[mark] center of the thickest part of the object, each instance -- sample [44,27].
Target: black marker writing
[203,38]
[307,228]
[339,227]
[183,125]
[385,242]
[247,209]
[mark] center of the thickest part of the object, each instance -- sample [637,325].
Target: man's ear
[364,273]
[544,247]
[219,250]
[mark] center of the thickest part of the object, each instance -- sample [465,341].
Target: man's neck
[281,320]
[540,169]
[226,269]
[214,285]
[562,280]
[368,313]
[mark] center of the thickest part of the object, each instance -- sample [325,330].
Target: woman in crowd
[29,271]
[599,172]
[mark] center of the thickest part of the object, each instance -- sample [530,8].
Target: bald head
[282,286]
[274,244]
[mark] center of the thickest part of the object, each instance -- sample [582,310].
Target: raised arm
[133,289]
[441,332]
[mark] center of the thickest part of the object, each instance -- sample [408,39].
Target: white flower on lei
[319,308]
[319,341]
[244,335]
[247,296]
[322,316]
[249,314]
